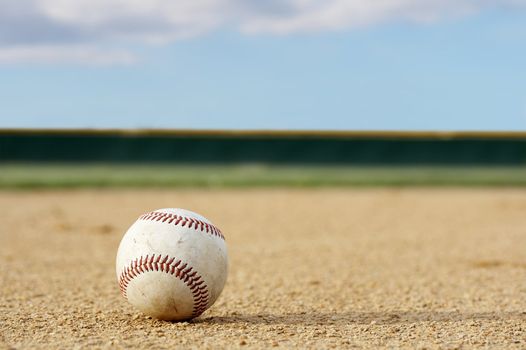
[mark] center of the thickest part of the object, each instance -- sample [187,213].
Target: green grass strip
[155,175]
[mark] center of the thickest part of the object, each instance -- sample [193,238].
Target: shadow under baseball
[382,318]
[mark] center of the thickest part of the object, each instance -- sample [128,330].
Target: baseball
[172,264]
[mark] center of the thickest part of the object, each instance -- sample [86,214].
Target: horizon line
[439,134]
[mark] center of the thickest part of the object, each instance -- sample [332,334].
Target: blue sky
[293,64]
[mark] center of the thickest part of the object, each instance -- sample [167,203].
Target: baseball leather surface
[172,264]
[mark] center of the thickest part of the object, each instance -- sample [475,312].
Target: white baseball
[172,264]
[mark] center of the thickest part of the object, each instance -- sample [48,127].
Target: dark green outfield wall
[271,148]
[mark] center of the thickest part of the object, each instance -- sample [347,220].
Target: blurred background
[199,158]
[261,93]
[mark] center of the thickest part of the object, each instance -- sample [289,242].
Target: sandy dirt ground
[320,268]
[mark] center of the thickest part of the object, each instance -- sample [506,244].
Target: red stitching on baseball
[179,220]
[184,272]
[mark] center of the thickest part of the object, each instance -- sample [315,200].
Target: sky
[253,64]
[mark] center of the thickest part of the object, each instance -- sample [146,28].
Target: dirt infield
[321,268]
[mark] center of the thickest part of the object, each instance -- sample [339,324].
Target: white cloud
[66,30]
[156,21]
[76,54]
[312,15]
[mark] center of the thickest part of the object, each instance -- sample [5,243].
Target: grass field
[156,175]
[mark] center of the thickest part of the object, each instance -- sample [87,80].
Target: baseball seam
[172,266]
[179,220]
